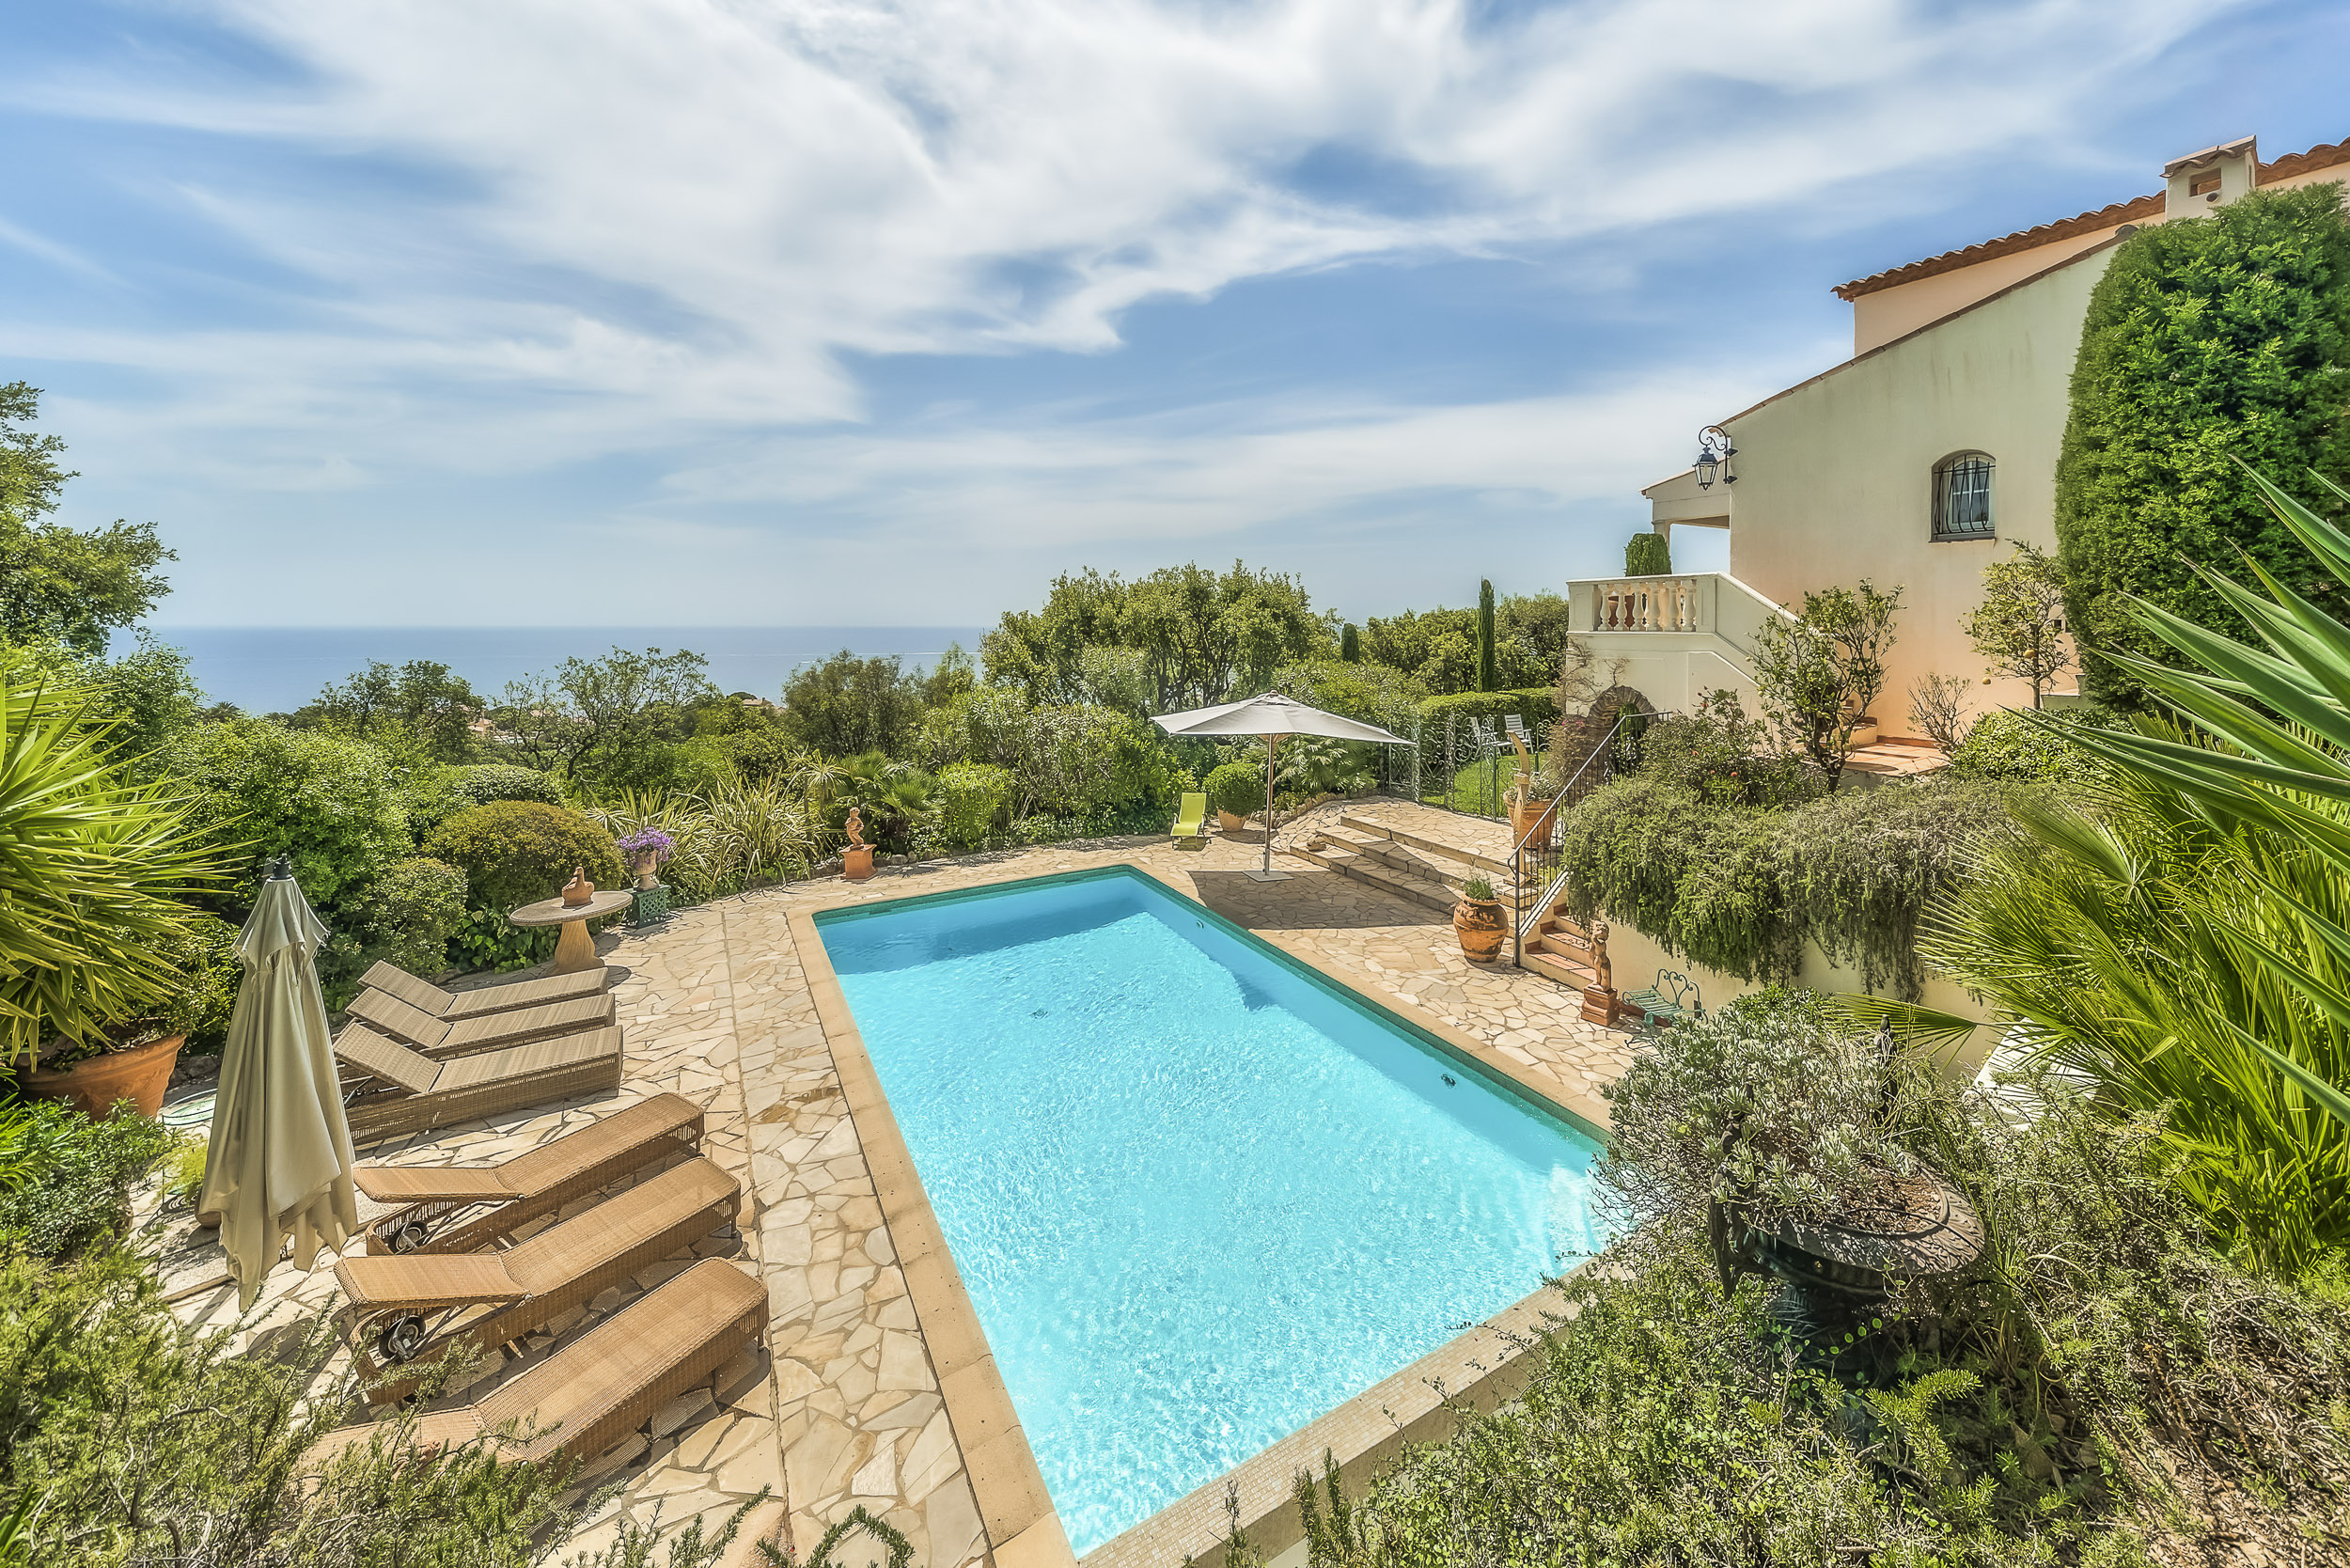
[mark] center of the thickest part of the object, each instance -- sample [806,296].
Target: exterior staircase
[1429,871]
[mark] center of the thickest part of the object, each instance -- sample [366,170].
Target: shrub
[77,1177]
[326,801]
[1071,760]
[1648,554]
[2207,342]
[892,799]
[151,1442]
[203,954]
[1534,704]
[2003,743]
[517,852]
[1236,788]
[436,794]
[1742,888]
[744,833]
[413,911]
[1719,752]
[974,800]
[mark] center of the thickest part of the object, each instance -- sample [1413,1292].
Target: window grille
[1962,497]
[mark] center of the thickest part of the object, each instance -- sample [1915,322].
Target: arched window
[1962,497]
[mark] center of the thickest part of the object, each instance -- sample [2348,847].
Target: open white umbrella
[1271,718]
[279,1162]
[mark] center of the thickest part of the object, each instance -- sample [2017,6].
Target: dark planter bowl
[1926,1231]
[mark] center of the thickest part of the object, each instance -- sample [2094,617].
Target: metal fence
[1458,764]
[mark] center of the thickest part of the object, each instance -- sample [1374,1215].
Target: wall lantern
[1715,452]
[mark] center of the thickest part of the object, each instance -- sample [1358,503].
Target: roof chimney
[2212,178]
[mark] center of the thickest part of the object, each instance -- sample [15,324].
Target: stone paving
[844,1410]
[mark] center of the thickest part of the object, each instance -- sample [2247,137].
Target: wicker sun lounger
[394,1090]
[449,1006]
[463,1208]
[400,1309]
[612,1379]
[389,1015]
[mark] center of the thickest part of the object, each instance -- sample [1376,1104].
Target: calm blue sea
[268,670]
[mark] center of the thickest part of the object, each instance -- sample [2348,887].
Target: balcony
[1675,636]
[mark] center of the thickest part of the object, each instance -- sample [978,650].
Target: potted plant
[644,852]
[1480,921]
[93,882]
[1793,1140]
[1235,790]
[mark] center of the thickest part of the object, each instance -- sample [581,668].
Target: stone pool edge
[1022,1528]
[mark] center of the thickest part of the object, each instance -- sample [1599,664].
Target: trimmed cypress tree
[1486,677]
[1648,554]
[1351,644]
[2207,341]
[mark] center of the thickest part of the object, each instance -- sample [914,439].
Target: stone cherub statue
[856,829]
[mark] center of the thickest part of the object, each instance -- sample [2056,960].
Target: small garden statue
[856,829]
[856,859]
[579,889]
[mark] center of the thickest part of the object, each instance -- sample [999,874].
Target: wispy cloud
[513,237]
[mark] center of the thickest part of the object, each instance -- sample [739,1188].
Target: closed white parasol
[278,1166]
[1271,718]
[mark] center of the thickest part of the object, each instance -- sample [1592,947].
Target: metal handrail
[1576,789]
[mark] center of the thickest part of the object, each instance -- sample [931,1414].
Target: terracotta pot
[139,1074]
[1523,817]
[1481,925]
[1228,823]
[857,862]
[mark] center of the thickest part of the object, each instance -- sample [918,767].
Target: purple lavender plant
[648,839]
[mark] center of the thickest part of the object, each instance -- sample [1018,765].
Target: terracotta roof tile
[2138,211]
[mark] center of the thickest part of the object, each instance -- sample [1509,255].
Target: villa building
[1915,461]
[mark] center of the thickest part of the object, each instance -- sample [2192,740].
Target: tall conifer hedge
[2207,339]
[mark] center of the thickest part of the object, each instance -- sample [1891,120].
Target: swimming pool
[1199,1195]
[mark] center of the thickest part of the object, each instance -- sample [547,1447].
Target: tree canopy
[69,584]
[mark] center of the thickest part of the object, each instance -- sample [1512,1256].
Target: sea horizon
[269,669]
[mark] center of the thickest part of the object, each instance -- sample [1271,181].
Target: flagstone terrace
[846,1409]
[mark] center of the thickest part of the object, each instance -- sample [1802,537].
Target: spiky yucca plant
[2184,936]
[93,870]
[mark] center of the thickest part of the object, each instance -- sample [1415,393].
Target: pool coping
[1022,1528]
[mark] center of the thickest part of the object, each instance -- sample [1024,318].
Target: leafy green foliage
[151,1442]
[2003,743]
[1819,672]
[203,958]
[844,705]
[1071,761]
[518,851]
[59,583]
[413,911]
[2018,625]
[327,801]
[2207,344]
[613,723]
[1438,648]
[974,800]
[1648,554]
[739,834]
[1718,752]
[433,795]
[75,1177]
[1236,788]
[1743,888]
[1534,704]
[1203,638]
[418,714]
[1351,644]
[94,872]
[891,798]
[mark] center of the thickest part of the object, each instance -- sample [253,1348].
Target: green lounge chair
[1191,823]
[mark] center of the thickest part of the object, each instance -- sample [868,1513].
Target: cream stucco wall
[1889,313]
[1834,476]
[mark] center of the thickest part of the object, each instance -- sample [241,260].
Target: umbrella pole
[1268,873]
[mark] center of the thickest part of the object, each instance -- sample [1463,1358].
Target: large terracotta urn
[1481,927]
[1228,821]
[139,1074]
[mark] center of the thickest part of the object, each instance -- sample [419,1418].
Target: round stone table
[574,949]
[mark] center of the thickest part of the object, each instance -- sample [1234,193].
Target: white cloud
[657,226]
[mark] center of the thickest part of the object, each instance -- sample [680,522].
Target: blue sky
[740,312]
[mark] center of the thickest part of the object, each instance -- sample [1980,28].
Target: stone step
[1565,971]
[1384,865]
[1489,865]
[1411,861]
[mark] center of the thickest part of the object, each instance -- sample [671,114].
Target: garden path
[845,1409]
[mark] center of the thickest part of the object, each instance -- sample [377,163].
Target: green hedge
[2205,344]
[436,794]
[972,800]
[2004,744]
[517,852]
[1648,554]
[1534,704]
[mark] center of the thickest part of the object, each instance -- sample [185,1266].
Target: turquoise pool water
[1198,1196]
